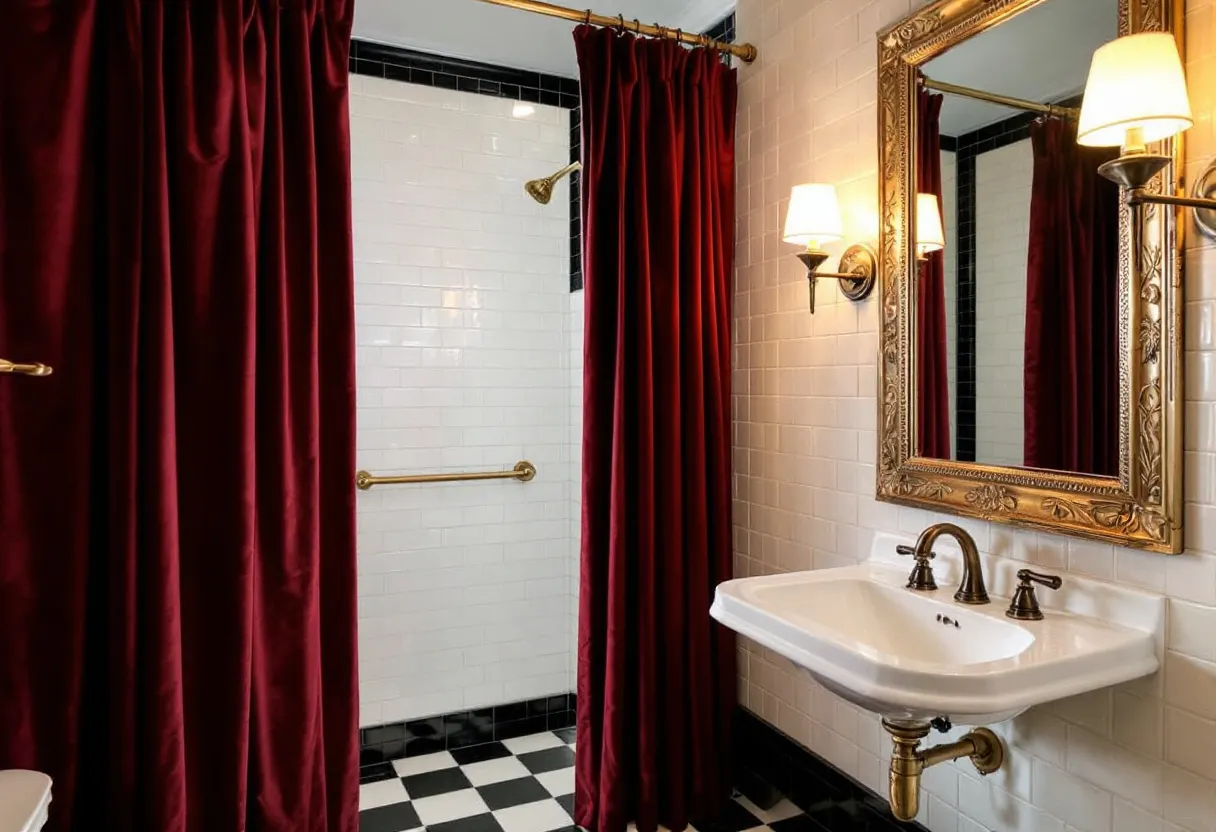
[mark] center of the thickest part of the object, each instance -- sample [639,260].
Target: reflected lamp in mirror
[930,236]
[1136,94]
[813,218]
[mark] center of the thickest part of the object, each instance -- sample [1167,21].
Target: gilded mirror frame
[1142,507]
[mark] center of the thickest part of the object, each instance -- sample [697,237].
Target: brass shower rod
[1003,100]
[523,471]
[740,50]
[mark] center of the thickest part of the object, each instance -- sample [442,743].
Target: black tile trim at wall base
[397,63]
[766,757]
[460,729]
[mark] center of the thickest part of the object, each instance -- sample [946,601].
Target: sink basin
[918,655]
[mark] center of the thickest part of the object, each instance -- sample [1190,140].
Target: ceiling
[1041,54]
[509,37]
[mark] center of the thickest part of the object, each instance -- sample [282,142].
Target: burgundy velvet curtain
[656,675]
[932,381]
[1071,395]
[177,600]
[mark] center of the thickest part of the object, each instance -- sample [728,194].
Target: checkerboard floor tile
[524,784]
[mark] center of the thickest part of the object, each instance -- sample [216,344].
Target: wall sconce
[930,236]
[814,218]
[1136,94]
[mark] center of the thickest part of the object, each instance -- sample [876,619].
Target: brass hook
[621,23]
[637,26]
[587,21]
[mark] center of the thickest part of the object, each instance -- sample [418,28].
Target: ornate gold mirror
[1030,369]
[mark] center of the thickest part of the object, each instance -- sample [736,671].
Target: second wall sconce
[813,218]
[930,236]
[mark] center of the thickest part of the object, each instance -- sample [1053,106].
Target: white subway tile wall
[462,308]
[1002,226]
[574,348]
[1137,757]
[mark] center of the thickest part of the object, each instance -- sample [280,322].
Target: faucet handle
[1025,604]
[922,574]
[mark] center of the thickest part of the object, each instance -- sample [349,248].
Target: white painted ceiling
[1041,54]
[509,37]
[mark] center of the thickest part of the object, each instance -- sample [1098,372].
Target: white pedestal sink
[911,656]
[906,654]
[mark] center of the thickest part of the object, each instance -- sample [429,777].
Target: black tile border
[463,729]
[724,32]
[411,66]
[964,308]
[827,795]
[398,63]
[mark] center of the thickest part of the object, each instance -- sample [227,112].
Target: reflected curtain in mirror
[933,396]
[1071,390]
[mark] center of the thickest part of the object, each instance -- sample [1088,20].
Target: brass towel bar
[523,471]
[12,368]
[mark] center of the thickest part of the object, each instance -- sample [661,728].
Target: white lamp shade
[1134,82]
[813,216]
[929,233]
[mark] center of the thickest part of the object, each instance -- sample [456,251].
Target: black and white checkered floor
[518,785]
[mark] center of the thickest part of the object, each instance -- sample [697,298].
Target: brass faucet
[971,590]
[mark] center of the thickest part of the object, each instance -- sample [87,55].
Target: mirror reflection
[1018,247]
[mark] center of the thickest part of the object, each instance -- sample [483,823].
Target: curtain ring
[637,26]
[587,22]
[679,35]
[621,23]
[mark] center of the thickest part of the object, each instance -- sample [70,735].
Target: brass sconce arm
[856,275]
[1203,207]
[1140,196]
[1133,171]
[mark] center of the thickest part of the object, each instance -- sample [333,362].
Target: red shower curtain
[656,676]
[932,381]
[1071,383]
[177,602]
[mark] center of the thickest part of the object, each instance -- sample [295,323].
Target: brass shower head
[542,189]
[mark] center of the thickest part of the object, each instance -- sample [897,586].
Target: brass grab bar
[523,471]
[12,368]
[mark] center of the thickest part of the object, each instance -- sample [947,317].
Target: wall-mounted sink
[916,655]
